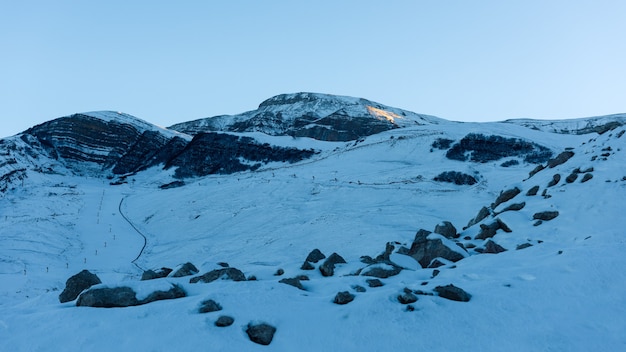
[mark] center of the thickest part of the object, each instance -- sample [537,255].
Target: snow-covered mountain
[434,235]
[319,116]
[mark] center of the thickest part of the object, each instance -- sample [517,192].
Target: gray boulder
[307,266]
[447,230]
[295,282]
[155,274]
[344,297]
[506,196]
[374,283]
[407,298]
[382,273]
[315,256]
[328,267]
[77,284]
[483,213]
[533,191]
[545,215]
[225,273]
[186,269]
[555,180]
[560,159]
[224,321]
[514,207]
[124,297]
[209,306]
[262,333]
[452,292]
[424,250]
[588,176]
[493,248]
[489,230]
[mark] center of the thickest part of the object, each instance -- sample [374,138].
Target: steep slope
[599,124]
[319,116]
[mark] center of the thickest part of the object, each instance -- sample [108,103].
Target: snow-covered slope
[319,116]
[599,124]
[563,290]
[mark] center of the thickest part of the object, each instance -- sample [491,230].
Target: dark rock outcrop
[262,333]
[424,250]
[295,282]
[186,269]
[155,274]
[209,306]
[315,256]
[534,171]
[483,213]
[328,267]
[374,283]
[343,297]
[407,297]
[493,248]
[452,292]
[505,196]
[560,159]
[382,273]
[523,246]
[571,177]
[124,297]
[489,230]
[447,230]
[555,180]
[545,215]
[307,266]
[224,321]
[533,191]
[588,176]
[513,207]
[77,284]
[458,178]
[224,273]
[480,148]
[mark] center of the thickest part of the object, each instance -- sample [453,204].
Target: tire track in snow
[145,239]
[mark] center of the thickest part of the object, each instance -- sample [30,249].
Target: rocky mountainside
[484,234]
[319,116]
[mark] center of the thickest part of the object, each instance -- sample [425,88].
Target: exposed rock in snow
[261,333]
[343,297]
[225,273]
[328,267]
[77,284]
[452,292]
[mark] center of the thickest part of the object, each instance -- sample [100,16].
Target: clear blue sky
[174,61]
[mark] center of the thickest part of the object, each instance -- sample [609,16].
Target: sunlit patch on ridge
[380,113]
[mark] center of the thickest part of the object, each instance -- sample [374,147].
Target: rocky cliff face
[319,116]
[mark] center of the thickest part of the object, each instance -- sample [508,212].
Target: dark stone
[436,272]
[534,171]
[480,148]
[152,274]
[586,177]
[407,298]
[424,250]
[510,163]
[124,297]
[374,283]
[523,246]
[571,178]
[225,273]
[560,159]
[174,184]
[555,180]
[262,333]
[328,267]
[452,292]
[506,196]
[224,321]
[458,178]
[384,257]
[493,248]
[489,230]
[483,213]
[295,282]
[545,215]
[359,288]
[537,223]
[307,266]
[315,256]
[382,273]
[447,230]
[436,263]
[186,269]
[366,259]
[223,264]
[279,272]
[442,143]
[343,297]
[209,306]
[175,292]
[533,191]
[77,284]
[514,207]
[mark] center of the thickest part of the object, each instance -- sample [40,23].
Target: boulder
[452,292]
[381,272]
[555,180]
[209,306]
[523,246]
[588,176]
[155,274]
[328,267]
[483,213]
[173,293]
[295,282]
[359,288]
[424,250]
[307,266]
[545,215]
[533,191]
[505,196]
[77,284]
[186,269]
[572,177]
[458,178]
[374,283]
[108,298]
[224,273]
[261,333]
[224,321]
[489,230]
[384,257]
[560,159]
[514,207]
[447,230]
[344,297]
[315,256]
[407,297]
[535,170]
[493,248]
